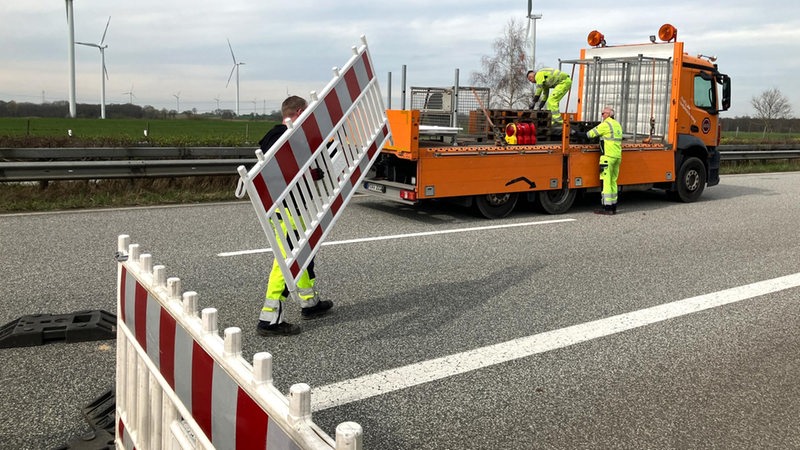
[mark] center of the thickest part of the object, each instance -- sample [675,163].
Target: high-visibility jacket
[610,132]
[547,78]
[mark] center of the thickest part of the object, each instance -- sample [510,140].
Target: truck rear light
[408,195]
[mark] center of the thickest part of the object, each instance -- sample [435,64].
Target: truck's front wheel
[691,180]
[556,202]
[495,206]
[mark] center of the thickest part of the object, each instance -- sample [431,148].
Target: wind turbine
[71,56]
[130,94]
[234,69]
[178,100]
[103,71]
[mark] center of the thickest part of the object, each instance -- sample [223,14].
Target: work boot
[320,309]
[607,210]
[276,329]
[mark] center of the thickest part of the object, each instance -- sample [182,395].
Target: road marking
[409,235]
[391,380]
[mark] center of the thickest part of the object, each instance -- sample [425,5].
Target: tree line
[60,109]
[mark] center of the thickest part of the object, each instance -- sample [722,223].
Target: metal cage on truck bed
[637,87]
[450,107]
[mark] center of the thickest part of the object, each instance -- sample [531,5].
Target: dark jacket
[272,136]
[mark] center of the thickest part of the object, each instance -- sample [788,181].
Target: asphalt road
[569,331]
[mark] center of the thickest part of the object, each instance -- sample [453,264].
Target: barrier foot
[92,440]
[100,414]
[40,329]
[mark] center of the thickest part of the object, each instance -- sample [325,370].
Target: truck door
[698,112]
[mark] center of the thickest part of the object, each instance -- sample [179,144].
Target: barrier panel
[340,134]
[182,386]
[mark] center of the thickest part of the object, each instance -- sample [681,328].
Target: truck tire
[556,202]
[691,180]
[495,206]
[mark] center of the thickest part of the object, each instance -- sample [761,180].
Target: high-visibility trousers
[609,171]
[277,292]
[554,99]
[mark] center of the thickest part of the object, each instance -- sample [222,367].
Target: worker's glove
[316,174]
[535,101]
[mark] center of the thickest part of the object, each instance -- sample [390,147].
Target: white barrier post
[182,386]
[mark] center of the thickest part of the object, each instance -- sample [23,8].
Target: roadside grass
[66,195]
[733,167]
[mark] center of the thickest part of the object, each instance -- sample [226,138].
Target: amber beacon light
[667,33]
[596,38]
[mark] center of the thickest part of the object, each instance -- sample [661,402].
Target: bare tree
[770,106]
[504,73]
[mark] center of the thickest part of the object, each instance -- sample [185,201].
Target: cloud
[163,47]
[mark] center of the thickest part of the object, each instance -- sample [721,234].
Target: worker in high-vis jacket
[546,79]
[272,320]
[610,133]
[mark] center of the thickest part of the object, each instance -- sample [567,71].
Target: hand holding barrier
[313,170]
[182,386]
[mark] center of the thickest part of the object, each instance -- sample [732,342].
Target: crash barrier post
[179,385]
[313,170]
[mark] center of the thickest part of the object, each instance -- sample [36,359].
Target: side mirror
[726,90]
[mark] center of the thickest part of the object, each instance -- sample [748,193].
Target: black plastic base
[40,329]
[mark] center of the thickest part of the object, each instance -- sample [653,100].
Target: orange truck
[667,101]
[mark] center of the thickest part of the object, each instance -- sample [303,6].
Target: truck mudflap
[714,158]
[390,190]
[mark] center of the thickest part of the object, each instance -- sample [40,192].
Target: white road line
[391,380]
[409,235]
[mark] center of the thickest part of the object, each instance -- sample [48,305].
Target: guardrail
[49,164]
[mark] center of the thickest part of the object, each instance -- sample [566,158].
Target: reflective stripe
[306,294]
[611,137]
[272,311]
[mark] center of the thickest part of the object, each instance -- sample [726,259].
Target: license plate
[375,187]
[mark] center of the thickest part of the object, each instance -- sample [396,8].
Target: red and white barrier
[340,133]
[182,386]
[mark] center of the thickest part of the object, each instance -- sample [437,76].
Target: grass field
[15,132]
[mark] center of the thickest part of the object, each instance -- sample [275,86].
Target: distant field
[120,131]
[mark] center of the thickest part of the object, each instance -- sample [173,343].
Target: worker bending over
[545,79]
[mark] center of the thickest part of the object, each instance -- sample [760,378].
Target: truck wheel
[556,202]
[495,206]
[691,180]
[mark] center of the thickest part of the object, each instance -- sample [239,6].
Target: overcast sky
[162,49]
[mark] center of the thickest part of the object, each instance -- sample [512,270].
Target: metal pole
[71,53]
[535,17]
[389,92]
[403,88]
[102,84]
[454,106]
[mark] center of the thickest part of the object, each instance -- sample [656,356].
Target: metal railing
[51,164]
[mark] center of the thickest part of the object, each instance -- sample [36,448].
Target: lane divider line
[407,235]
[392,380]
